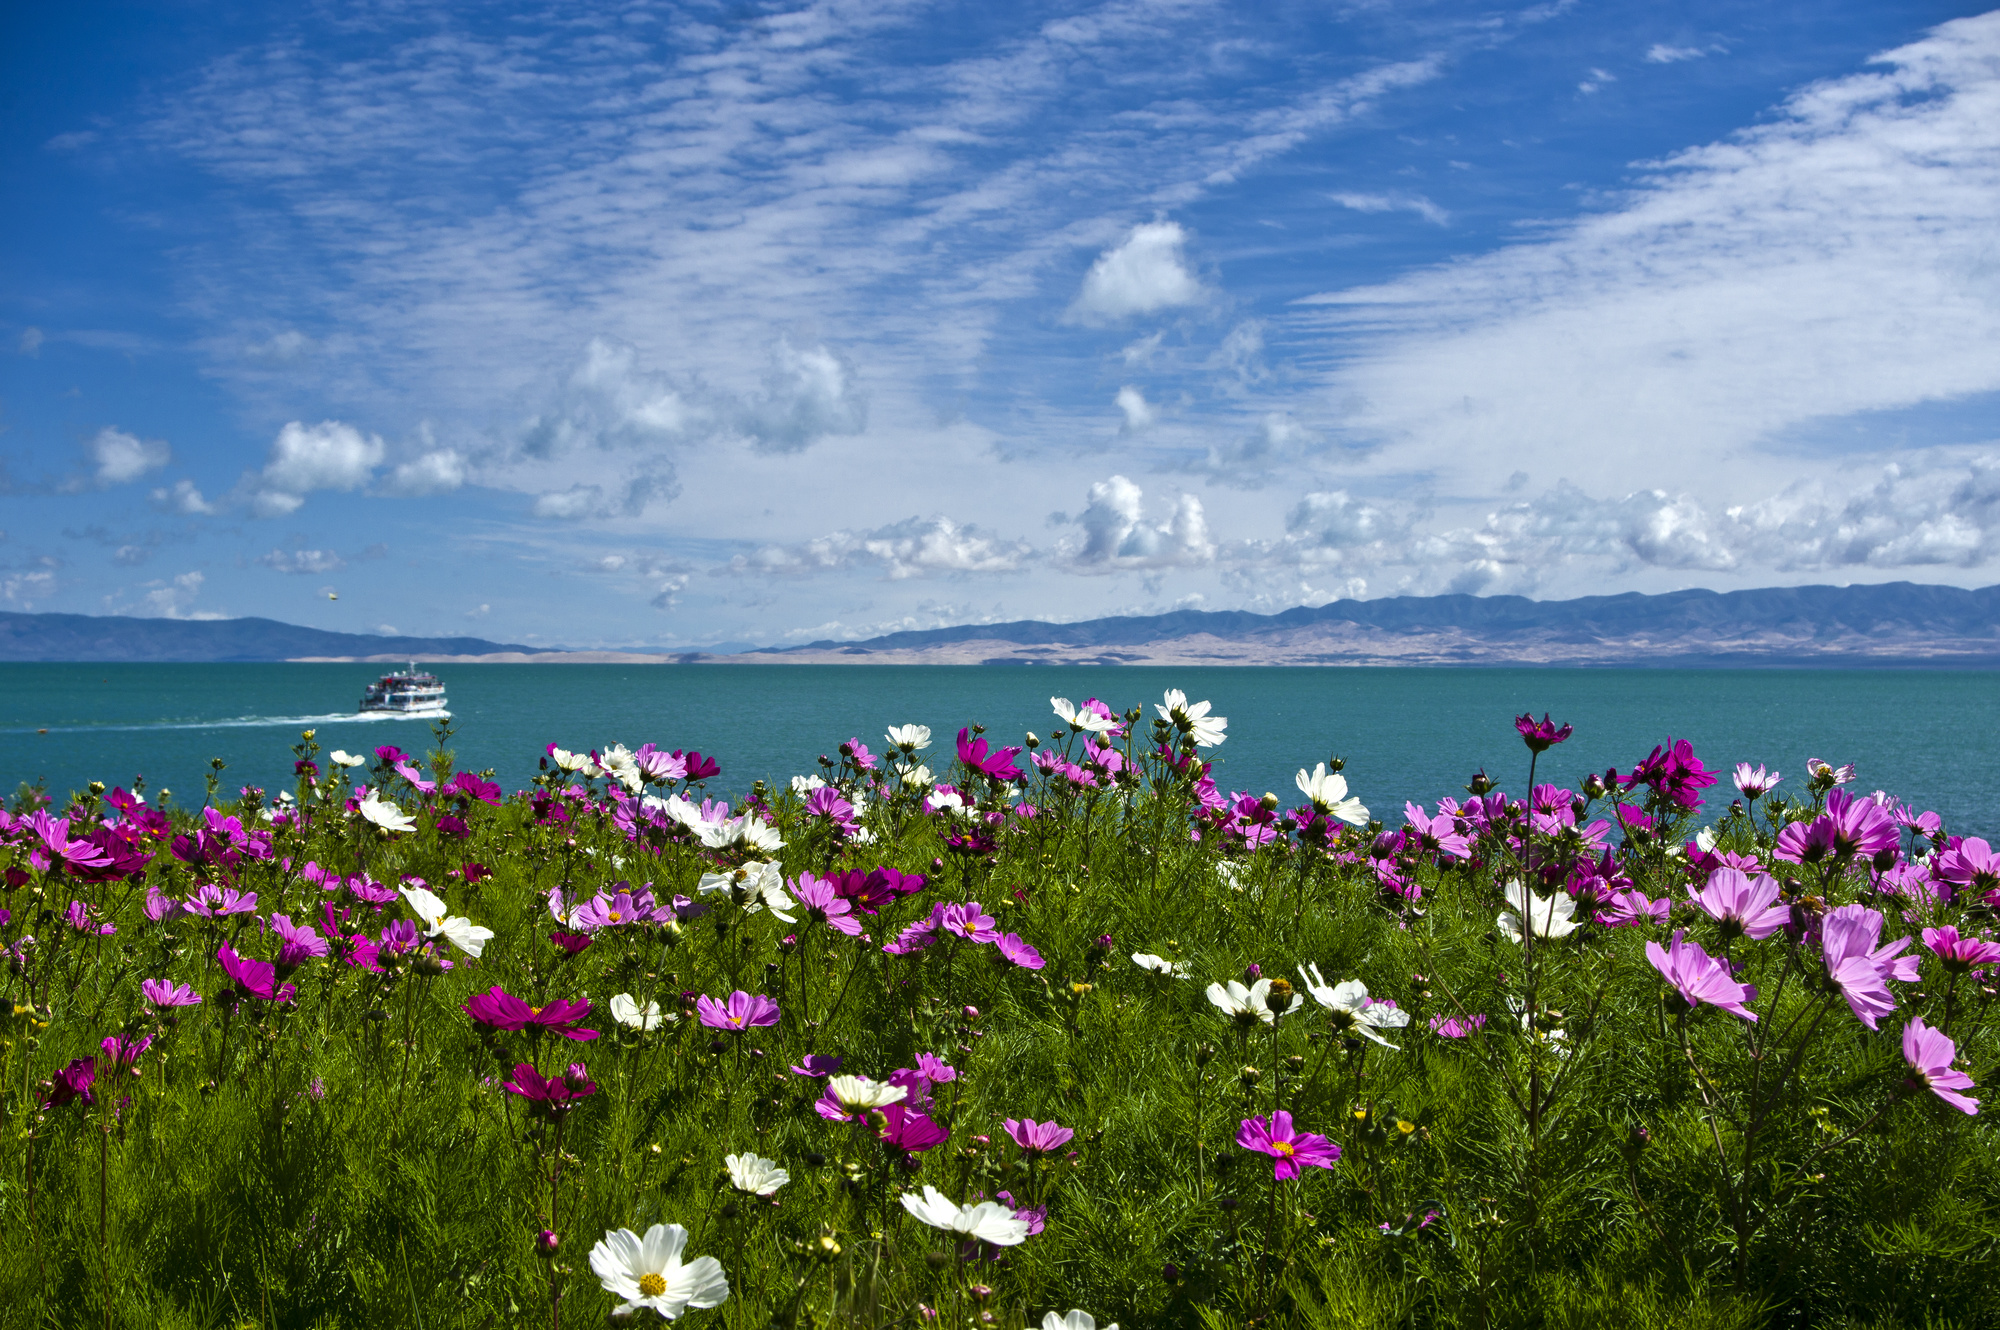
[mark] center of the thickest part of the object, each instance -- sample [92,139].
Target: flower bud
[1204,1054]
[1269,802]
[1248,1077]
[546,1243]
[1252,972]
[937,1260]
[1280,996]
[1226,1203]
[980,1292]
[1170,1274]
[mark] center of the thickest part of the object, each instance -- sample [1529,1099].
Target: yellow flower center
[1284,1148]
[615,916]
[652,1285]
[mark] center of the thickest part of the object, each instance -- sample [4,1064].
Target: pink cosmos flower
[79,917]
[935,1069]
[1971,864]
[1860,968]
[1019,952]
[1457,1027]
[741,1011]
[553,1095]
[966,921]
[164,993]
[909,1130]
[817,1065]
[1930,1055]
[256,978]
[497,1010]
[1038,1138]
[1742,904]
[824,903]
[71,1084]
[1540,736]
[1632,909]
[571,943]
[298,942]
[1700,977]
[1291,1149]
[1756,784]
[994,765]
[122,1054]
[1437,835]
[215,902]
[1960,954]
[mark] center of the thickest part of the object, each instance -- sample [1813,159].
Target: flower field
[1055,1033]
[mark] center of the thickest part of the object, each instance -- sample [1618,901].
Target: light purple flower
[164,993]
[739,1013]
[298,943]
[1019,952]
[825,904]
[1742,904]
[817,1065]
[1700,978]
[1457,1027]
[1038,1138]
[80,917]
[1633,909]
[1860,968]
[214,902]
[1930,1055]
[1756,784]
[967,921]
[1290,1148]
[935,1069]
[1960,953]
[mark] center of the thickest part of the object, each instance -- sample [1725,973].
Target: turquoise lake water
[1932,737]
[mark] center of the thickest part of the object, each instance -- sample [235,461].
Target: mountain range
[1884,624]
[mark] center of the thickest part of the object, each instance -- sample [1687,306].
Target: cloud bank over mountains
[841,320]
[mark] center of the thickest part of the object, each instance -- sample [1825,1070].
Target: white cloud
[479,612]
[175,599]
[435,472]
[1117,537]
[1415,203]
[1659,53]
[24,589]
[303,562]
[327,456]
[1142,274]
[31,341]
[807,395]
[1138,414]
[120,457]
[574,504]
[915,547]
[1835,260]
[182,497]
[1598,78]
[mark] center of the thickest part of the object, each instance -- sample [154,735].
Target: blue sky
[667,325]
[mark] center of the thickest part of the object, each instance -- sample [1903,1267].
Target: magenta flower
[497,1010]
[1930,1055]
[966,921]
[122,1054]
[571,943]
[906,1129]
[1039,1138]
[213,902]
[1543,735]
[1971,864]
[554,1095]
[1960,954]
[162,993]
[869,891]
[1457,1027]
[71,1084]
[1019,952]
[1633,909]
[1290,1148]
[257,979]
[994,765]
[80,917]
[1742,904]
[1860,968]
[817,1065]
[935,1070]
[739,1013]
[1437,835]
[858,752]
[298,943]
[162,909]
[824,903]
[1700,977]
[618,909]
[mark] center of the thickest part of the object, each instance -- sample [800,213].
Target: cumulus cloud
[807,395]
[435,472]
[26,588]
[1415,203]
[1142,274]
[1138,413]
[120,457]
[175,599]
[302,562]
[1744,289]
[182,497]
[327,456]
[1117,537]
[574,504]
[916,547]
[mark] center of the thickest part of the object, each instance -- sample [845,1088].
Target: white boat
[407,692]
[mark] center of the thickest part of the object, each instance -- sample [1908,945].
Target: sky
[677,325]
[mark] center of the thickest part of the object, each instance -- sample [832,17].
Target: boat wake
[240,722]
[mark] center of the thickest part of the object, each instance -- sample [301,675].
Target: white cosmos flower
[385,814]
[1242,1003]
[1550,916]
[754,1176]
[915,774]
[763,883]
[647,1272]
[1067,713]
[622,767]
[1205,729]
[747,830]
[1146,960]
[1327,791]
[988,1221]
[858,1093]
[436,920]
[341,758]
[910,738]
[946,801]
[1353,1009]
[806,784]
[626,1010]
[580,763]
[1076,1320]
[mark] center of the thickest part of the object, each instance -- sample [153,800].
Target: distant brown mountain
[110,637]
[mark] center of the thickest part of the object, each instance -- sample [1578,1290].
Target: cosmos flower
[384,814]
[1860,968]
[1074,1320]
[738,1013]
[647,1273]
[497,1010]
[1192,720]
[552,1094]
[1754,785]
[1351,1009]
[1741,904]
[1245,1005]
[1960,954]
[847,1098]
[437,921]
[1038,1138]
[1327,792]
[988,1221]
[1292,1149]
[1146,960]
[825,905]
[165,993]
[1930,1055]
[1542,735]
[1700,978]
[755,1176]
[1086,719]
[626,1011]
[1551,916]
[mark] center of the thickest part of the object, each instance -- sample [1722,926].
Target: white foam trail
[240,722]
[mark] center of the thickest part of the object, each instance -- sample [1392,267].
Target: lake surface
[1932,737]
